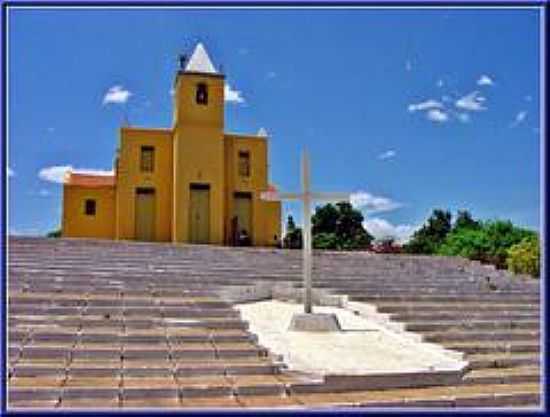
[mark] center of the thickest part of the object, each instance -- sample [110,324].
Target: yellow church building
[192,182]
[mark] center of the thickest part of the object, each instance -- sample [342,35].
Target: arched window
[202,94]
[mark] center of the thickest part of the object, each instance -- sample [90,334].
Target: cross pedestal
[308,321]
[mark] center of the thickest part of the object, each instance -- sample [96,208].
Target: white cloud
[425,105]
[408,65]
[117,95]
[232,96]
[381,229]
[520,117]
[271,74]
[11,172]
[172,91]
[473,102]
[371,203]
[43,193]
[56,173]
[440,83]
[436,115]
[387,155]
[485,80]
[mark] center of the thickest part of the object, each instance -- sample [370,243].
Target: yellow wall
[264,226]
[198,153]
[129,177]
[77,224]
[195,150]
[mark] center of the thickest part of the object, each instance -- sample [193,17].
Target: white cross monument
[308,321]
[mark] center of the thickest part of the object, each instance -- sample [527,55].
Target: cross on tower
[306,197]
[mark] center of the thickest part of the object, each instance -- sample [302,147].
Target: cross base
[314,322]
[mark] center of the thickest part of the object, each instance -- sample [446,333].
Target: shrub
[524,257]
[54,233]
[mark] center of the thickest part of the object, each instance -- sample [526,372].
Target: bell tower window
[202,94]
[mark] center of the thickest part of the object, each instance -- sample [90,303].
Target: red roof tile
[90,180]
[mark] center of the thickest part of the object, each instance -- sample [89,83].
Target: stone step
[478,335]
[514,375]
[408,306]
[465,315]
[493,347]
[503,323]
[492,360]
[500,298]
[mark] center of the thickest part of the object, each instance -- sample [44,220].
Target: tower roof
[200,61]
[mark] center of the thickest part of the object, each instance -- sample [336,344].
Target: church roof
[89,180]
[200,61]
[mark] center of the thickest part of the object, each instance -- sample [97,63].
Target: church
[192,182]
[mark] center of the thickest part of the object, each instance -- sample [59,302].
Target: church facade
[192,182]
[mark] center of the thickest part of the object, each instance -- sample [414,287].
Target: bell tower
[198,125]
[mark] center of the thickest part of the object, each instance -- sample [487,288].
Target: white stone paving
[363,347]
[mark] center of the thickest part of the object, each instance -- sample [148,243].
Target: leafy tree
[339,227]
[502,235]
[488,243]
[293,237]
[468,243]
[524,257]
[428,238]
[464,220]
[54,233]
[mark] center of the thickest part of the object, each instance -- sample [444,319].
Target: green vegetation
[524,257]
[337,227]
[293,237]
[54,233]
[496,242]
[489,241]
[429,237]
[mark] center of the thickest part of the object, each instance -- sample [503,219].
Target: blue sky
[409,109]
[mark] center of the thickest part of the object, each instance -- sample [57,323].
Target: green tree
[429,237]
[502,235]
[54,233]
[468,243]
[524,257]
[465,220]
[339,227]
[293,237]
[488,243]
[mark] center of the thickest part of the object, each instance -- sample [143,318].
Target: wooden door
[243,212]
[199,214]
[145,214]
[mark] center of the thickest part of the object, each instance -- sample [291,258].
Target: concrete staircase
[117,324]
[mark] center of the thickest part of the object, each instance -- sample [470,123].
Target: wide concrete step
[497,360]
[494,346]
[514,375]
[412,307]
[503,323]
[500,298]
[485,335]
[432,316]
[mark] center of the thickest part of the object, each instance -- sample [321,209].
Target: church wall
[262,228]
[130,177]
[75,223]
[198,152]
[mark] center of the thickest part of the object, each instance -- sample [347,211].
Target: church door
[243,212]
[145,214]
[199,213]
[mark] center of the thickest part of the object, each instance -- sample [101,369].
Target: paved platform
[363,347]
